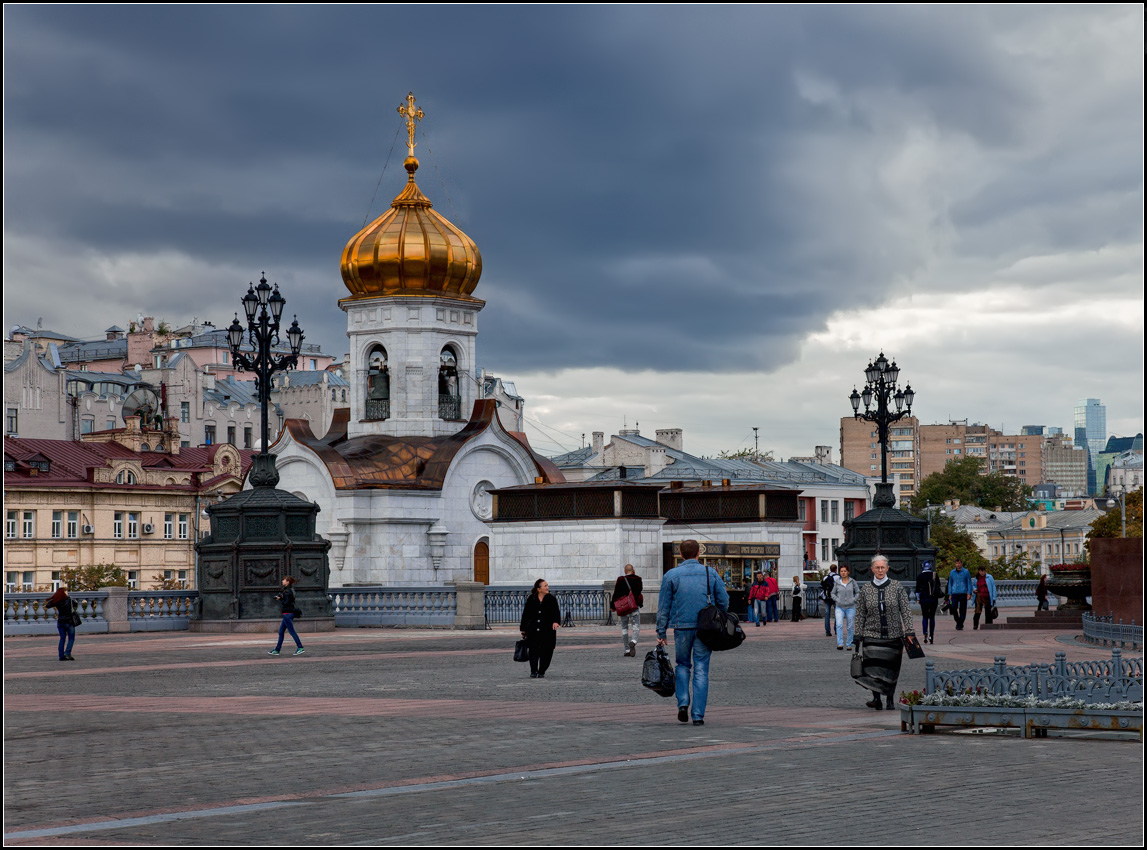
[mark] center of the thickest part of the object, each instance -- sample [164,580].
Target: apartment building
[860,451]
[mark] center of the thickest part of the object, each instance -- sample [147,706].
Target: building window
[230,435]
[10,527]
[168,526]
[314,365]
[56,579]
[183,524]
[849,509]
[57,524]
[117,526]
[29,524]
[247,437]
[73,524]
[185,411]
[13,420]
[185,444]
[126,476]
[133,525]
[133,579]
[801,509]
[835,511]
[209,434]
[225,355]
[87,425]
[377,385]
[824,510]
[824,549]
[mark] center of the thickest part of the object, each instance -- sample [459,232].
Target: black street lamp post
[262,535]
[264,308]
[881,388]
[884,529]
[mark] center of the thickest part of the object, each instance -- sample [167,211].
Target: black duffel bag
[719,630]
[657,673]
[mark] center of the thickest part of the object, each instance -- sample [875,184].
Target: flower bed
[923,713]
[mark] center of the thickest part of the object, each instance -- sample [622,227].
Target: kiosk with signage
[735,562]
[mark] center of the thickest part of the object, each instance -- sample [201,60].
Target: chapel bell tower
[411,319]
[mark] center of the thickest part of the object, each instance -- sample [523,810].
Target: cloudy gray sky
[708,218]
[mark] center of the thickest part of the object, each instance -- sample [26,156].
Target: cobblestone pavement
[434,737]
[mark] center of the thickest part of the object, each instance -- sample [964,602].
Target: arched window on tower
[377,385]
[449,398]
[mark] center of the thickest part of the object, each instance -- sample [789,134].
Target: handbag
[657,673]
[719,630]
[627,604]
[297,611]
[856,666]
[912,645]
[521,651]
[995,613]
[77,620]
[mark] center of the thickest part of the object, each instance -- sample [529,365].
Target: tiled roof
[405,463]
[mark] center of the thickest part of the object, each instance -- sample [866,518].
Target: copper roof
[403,463]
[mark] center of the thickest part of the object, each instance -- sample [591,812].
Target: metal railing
[1091,681]
[449,407]
[377,408]
[1105,631]
[394,606]
[577,604]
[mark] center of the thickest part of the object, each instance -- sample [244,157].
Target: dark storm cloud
[649,187]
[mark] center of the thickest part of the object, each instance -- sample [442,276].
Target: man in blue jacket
[959,592]
[685,590]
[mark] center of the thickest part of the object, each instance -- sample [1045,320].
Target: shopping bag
[521,651]
[657,673]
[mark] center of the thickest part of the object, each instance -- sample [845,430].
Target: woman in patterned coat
[883,620]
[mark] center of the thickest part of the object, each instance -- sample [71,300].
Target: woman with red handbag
[626,603]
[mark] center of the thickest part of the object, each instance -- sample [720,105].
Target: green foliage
[1111,523]
[162,583]
[84,579]
[746,454]
[1016,567]
[962,479]
[952,544]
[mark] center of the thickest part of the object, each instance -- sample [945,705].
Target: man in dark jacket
[685,590]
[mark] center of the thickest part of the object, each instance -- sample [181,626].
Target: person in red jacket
[772,591]
[757,599]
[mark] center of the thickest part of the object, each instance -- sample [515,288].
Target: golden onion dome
[411,250]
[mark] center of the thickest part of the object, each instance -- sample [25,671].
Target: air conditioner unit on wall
[148,528]
[89,529]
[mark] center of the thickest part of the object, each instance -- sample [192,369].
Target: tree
[86,579]
[962,479]
[1111,523]
[954,543]
[746,454]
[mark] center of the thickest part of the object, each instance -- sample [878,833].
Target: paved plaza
[379,736]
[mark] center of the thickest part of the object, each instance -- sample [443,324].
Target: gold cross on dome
[412,113]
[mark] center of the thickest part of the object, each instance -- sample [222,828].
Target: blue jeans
[828,616]
[288,625]
[692,653]
[760,611]
[67,636]
[844,616]
[771,609]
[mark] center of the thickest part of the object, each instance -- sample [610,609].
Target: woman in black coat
[541,620]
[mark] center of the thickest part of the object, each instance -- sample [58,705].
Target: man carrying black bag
[685,590]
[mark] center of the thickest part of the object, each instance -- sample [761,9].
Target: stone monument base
[307,624]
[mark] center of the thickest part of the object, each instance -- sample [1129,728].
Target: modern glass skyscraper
[1091,432]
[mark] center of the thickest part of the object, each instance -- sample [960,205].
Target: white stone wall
[585,552]
[413,331]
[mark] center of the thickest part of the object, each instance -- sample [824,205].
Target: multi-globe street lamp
[263,307]
[881,389]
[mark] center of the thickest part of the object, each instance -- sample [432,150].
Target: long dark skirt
[881,665]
